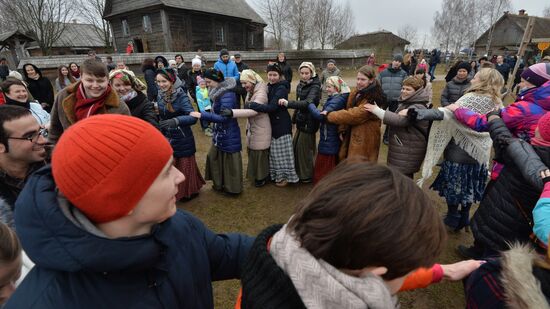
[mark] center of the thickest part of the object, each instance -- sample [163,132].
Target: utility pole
[521,52]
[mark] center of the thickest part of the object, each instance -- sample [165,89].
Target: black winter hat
[464,65]
[214,75]
[223,52]
[275,67]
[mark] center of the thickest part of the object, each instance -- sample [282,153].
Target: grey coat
[453,91]
[407,139]
[391,81]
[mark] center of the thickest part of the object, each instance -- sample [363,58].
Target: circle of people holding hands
[90,178]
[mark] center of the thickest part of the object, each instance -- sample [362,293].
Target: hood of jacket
[539,95]
[56,237]
[227,85]
[38,71]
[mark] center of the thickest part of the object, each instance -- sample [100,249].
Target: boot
[452,218]
[464,221]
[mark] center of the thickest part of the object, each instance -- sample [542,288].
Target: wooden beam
[166,31]
[521,52]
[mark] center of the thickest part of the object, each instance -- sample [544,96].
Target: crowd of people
[92,168]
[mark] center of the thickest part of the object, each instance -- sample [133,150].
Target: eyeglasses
[34,137]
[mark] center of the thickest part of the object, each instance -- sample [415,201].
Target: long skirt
[461,183]
[281,160]
[193,179]
[304,152]
[258,164]
[225,170]
[323,165]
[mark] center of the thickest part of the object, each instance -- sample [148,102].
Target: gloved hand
[246,105]
[226,112]
[412,114]
[493,113]
[253,106]
[168,123]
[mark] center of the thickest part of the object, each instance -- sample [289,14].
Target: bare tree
[92,12]
[323,20]
[275,13]
[44,19]
[300,21]
[408,32]
[494,11]
[546,11]
[344,25]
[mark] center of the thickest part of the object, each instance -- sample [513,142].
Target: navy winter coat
[181,138]
[227,134]
[279,117]
[76,267]
[152,90]
[329,141]
[306,93]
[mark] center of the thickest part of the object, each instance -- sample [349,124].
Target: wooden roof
[541,30]
[371,39]
[232,8]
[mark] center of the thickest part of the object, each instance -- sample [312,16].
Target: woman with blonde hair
[463,175]
[258,128]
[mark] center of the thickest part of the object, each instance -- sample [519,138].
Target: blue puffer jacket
[329,141]
[76,267]
[227,134]
[181,138]
[228,69]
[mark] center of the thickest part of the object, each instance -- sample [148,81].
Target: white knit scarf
[476,144]
[320,285]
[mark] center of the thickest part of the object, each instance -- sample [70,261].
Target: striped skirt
[193,179]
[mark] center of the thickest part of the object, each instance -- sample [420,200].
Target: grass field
[257,208]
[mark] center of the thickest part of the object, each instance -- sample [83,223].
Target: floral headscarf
[339,84]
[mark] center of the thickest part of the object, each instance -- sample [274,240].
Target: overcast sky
[373,15]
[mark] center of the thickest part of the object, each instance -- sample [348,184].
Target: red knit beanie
[544,127]
[104,164]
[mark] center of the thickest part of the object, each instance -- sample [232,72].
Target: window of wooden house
[251,40]
[125,27]
[147,27]
[220,35]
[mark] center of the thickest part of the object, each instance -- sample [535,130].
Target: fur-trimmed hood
[521,288]
[227,85]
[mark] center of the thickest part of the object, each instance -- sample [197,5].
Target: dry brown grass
[257,208]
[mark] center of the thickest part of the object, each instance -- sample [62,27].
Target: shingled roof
[370,39]
[77,36]
[233,8]
[541,29]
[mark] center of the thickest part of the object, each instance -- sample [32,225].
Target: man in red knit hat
[101,224]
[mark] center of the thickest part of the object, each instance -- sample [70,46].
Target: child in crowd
[203,103]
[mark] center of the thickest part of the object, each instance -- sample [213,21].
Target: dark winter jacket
[391,81]
[306,93]
[407,139]
[278,115]
[329,141]
[41,89]
[505,213]
[504,69]
[4,72]
[241,66]
[192,82]
[512,281]
[181,138]
[227,134]
[77,266]
[182,73]
[453,91]
[287,71]
[141,108]
[152,89]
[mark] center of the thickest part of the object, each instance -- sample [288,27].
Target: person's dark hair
[483,58]
[10,113]
[178,55]
[10,81]
[363,214]
[38,71]
[109,58]
[423,72]
[61,77]
[94,67]
[148,63]
[275,67]
[368,71]
[10,247]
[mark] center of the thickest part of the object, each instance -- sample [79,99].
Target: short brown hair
[414,82]
[10,81]
[363,214]
[94,67]
[368,71]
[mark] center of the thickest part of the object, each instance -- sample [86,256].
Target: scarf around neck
[10,101]
[476,144]
[86,107]
[321,285]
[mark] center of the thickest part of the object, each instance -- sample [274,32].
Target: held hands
[403,112]
[195,114]
[460,270]
[545,175]
[452,107]
[492,115]
[371,107]
[226,112]
[168,123]
[283,102]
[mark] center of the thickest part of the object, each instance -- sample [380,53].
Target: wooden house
[182,25]
[384,43]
